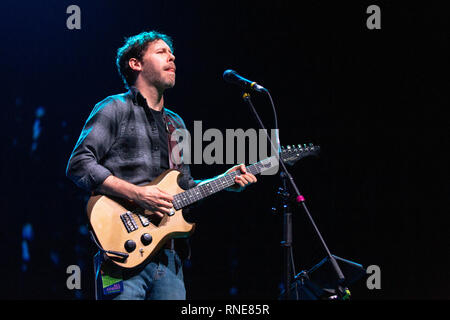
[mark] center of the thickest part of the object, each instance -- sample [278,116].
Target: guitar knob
[146,239]
[130,245]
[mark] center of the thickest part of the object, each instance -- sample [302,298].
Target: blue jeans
[160,279]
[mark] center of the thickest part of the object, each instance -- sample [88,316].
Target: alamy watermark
[74,279]
[74,20]
[374,20]
[234,147]
[374,280]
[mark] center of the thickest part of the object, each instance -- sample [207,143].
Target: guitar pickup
[128,221]
[144,220]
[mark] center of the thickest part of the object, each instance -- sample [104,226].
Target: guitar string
[195,195]
[190,196]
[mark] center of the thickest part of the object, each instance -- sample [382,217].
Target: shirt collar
[138,98]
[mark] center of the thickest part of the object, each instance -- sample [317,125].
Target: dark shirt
[124,138]
[163,138]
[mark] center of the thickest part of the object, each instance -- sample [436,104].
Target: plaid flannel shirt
[121,138]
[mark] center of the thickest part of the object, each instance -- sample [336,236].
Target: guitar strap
[172,144]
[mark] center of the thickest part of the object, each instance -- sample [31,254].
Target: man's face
[158,65]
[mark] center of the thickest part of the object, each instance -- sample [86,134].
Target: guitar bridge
[128,221]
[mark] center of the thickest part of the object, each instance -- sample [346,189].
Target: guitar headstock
[291,154]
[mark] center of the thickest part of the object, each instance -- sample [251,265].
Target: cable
[275,120]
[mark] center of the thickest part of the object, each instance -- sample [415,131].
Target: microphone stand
[287,228]
[286,243]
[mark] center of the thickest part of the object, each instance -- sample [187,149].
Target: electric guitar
[126,233]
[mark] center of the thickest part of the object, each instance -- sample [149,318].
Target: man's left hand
[241,180]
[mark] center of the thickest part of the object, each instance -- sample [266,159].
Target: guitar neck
[206,189]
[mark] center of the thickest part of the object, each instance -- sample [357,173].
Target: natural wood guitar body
[104,215]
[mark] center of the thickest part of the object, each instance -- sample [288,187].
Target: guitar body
[118,223]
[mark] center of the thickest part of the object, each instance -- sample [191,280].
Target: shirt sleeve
[187,182]
[96,138]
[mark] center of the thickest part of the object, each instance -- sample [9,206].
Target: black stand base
[320,282]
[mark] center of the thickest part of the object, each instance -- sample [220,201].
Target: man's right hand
[148,197]
[154,199]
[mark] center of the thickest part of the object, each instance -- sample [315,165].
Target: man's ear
[135,64]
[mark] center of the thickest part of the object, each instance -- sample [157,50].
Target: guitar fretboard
[206,189]
[209,188]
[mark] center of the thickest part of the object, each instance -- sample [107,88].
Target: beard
[162,80]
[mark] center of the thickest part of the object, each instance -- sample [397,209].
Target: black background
[374,100]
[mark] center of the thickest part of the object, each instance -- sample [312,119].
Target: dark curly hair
[135,47]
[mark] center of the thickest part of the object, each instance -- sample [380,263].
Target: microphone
[231,76]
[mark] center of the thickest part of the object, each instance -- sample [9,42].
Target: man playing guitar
[124,145]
